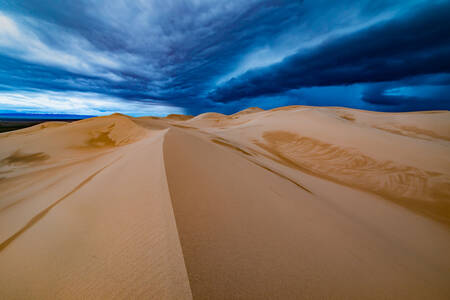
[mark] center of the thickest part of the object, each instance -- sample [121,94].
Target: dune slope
[291,203]
[97,229]
[249,233]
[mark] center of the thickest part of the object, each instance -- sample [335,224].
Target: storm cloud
[214,55]
[391,51]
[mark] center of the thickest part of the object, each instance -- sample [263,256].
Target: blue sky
[151,57]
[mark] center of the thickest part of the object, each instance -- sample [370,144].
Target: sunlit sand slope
[403,157]
[292,203]
[99,227]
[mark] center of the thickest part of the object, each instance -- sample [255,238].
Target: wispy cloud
[75,53]
[80,103]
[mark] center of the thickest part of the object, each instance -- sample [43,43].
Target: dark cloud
[182,53]
[431,94]
[396,49]
[376,94]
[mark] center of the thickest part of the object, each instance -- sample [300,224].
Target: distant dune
[291,203]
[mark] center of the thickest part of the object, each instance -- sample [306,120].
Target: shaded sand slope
[248,233]
[292,203]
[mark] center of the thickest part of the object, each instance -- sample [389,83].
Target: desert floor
[290,203]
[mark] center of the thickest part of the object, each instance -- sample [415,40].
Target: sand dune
[291,203]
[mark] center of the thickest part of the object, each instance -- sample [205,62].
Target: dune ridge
[289,203]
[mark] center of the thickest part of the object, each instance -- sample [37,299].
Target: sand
[291,203]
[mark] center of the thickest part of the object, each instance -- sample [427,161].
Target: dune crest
[249,110]
[290,203]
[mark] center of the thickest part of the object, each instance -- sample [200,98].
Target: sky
[154,57]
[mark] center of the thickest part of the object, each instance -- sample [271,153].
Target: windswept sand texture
[292,203]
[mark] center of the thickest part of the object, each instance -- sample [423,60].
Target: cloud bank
[213,55]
